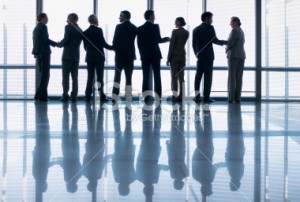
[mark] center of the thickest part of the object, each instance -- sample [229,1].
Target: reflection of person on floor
[123,158]
[203,169]
[176,148]
[147,168]
[94,161]
[235,146]
[70,148]
[41,152]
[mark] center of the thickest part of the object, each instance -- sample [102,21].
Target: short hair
[206,15]
[92,18]
[181,21]
[237,20]
[126,14]
[148,14]
[40,17]
[73,17]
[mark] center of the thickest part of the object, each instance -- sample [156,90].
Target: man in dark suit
[123,43]
[203,37]
[70,58]
[94,43]
[148,38]
[41,51]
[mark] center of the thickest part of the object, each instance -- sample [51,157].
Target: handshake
[59,45]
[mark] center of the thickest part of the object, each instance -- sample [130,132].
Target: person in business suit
[176,57]
[235,150]
[204,36]
[123,158]
[41,51]
[236,59]
[94,43]
[148,38]
[70,58]
[123,43]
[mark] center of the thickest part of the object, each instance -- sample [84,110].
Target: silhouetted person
[235,150]
[148,39]
[41,51]
[236,60]
[204,36]
[94,44]
[176,148]
[123,43]
[41,152]
[94,161]
[123,158]
[70,148]
[176,58]
[147,167]
[70,58]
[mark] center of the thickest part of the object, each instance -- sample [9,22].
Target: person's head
[234,186]
[93,20]
[180,22]
[123,189]
[207,17]
[42,18]
[178,184]
[235,22]
[72,18]
[124,15]
[149,15]
[206,189]
[92,185]
[72,187]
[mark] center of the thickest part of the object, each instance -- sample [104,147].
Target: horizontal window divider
[111,67]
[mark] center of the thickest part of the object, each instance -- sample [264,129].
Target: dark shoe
[87,99]
[174,98]
[64,99]
[103,98]
[208,100]
[197,99]
[73,99]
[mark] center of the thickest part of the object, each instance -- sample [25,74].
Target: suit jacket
[148,38]
[94,43]
[123,42]
[235,46]
[203,37]
[177,43]
[71,42]
[41,41]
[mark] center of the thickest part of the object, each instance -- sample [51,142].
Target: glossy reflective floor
[90,152]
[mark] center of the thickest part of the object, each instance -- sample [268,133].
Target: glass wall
[280,42]
[281,35]
[15,47]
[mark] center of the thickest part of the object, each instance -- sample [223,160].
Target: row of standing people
[148,39]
